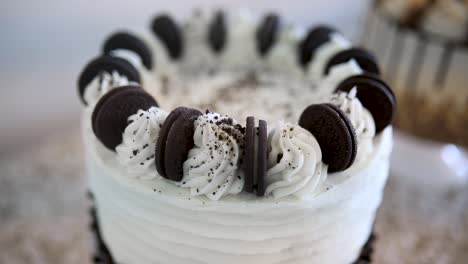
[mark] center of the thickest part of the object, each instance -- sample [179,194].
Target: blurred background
[44,45]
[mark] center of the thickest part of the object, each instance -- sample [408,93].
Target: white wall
[44,44]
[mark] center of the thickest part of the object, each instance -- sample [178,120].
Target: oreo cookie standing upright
[168,32]
[217,32]
[256,155]
[174,142]
[334,133]
[249,157]
[375,95]
[105,63]
[267,33]
[365,59]
[110,115]
[126,41]
[315,38]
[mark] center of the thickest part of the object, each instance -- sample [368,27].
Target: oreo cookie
[110,116]
[262,156]
[365,59]
[174,142]
[217,32]
[267,33]
[127,41]
[334,133]
[165,28]
[105,63]
[375,95]
[256,153]
[249,157]
[315,38]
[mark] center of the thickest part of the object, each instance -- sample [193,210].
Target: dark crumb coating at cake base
[334,133]
[102,254]
[128,41]
[110,116]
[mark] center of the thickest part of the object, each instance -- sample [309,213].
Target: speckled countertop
[43,211]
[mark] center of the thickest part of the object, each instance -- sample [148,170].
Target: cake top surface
[227,106]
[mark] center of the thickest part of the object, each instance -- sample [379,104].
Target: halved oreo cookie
[127,41]
[365,59]
[105,63]
[375,95]
[174,142]
[110,116]
[262,156]
[267,33]
[217,32]
[165,28]
[334,133]
[256,153]
[249,157]
[315,38]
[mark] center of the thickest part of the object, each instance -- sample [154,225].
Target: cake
[422,46]
[227,139]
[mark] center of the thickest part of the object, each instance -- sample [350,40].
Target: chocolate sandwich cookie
[127,41]
[334,133]
[167,31]
[365,59]
[249,157]
[262,156]
[315,38]
[375,95]
[174,142]
[267,33]
[217,32]
[105,63]
[256,153]
[110,116]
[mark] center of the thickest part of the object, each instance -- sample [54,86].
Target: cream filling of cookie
[295,162]
[212,166]
[324,53]
[137,150]
[102,84]
[448,19]
[361,119]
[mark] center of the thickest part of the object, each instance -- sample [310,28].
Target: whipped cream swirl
[102,84]
[211,168]
[361,120]
[137,150]
[294,162]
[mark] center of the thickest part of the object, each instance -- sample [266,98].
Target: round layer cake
[235,140]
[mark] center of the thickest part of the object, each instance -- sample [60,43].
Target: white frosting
[136,153]
[241,50]
[295,162]
[361,120]
[102,84]
[283,56]
[324,53]
[337,74]
[129,56]
[155,220]
[211,168]
[448,19]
